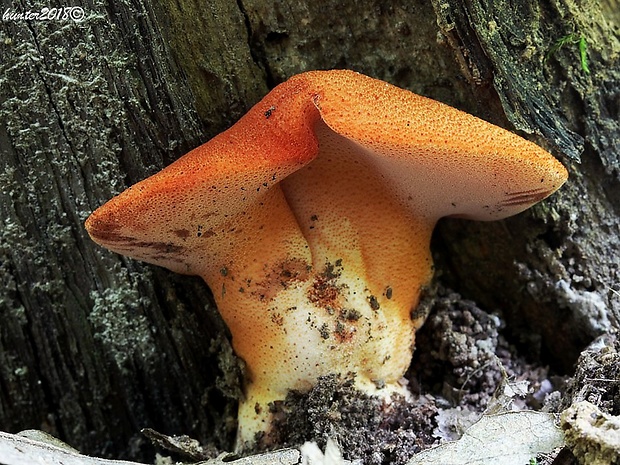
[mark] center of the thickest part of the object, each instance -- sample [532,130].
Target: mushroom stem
[343,307]
[335,299]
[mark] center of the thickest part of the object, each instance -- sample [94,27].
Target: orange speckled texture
[310,219]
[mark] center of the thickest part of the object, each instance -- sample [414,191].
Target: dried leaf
[510,438]
[20,450]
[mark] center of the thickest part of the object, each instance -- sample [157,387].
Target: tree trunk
[95,347]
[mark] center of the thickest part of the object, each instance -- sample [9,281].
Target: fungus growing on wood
[311,219]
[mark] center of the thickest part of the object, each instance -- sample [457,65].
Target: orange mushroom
[311,218]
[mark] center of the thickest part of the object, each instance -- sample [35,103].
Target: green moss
[572,39]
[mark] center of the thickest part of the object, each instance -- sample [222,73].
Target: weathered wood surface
[94,347]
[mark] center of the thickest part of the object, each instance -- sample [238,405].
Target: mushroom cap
[439,160]
[436,160]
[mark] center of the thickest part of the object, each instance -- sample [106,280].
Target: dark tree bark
[94,347]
